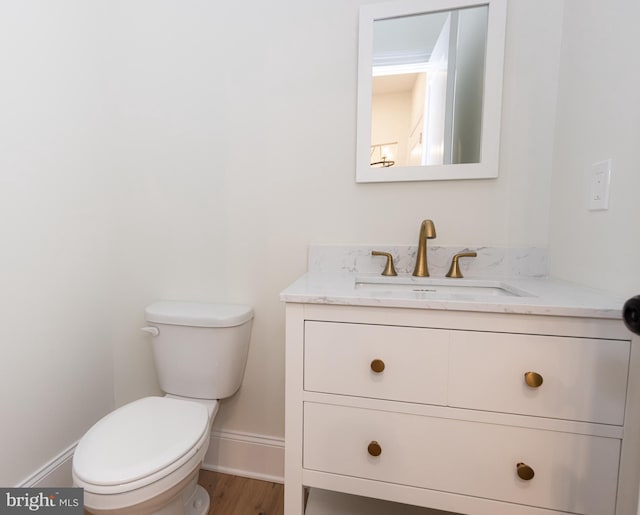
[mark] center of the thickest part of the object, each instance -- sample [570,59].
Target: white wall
[598,118]
[55,232]
[214,210]
[532,60]
[147,160]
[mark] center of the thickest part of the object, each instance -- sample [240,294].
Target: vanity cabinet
[468,412]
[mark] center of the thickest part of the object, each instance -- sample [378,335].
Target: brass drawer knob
[377,365]
[525,471]
[533,379]
[374,448]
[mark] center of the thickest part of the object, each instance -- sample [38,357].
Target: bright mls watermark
[68,501]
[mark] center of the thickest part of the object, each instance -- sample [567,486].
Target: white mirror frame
[492,103]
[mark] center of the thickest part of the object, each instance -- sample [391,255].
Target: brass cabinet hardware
[427,232]
[374,448]
[389,269]
[525,471]
[377,365]
[454,269]
[533,379]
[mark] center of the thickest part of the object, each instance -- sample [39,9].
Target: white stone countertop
[531,296]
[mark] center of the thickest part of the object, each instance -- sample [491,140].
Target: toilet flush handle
[153,331]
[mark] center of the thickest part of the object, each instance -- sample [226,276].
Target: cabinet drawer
[582,379]
[573,473]
[339,358]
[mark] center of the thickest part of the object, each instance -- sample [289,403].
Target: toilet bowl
[144,457]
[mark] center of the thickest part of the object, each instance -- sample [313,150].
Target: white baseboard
[239,454]
[54,474]
[247,455]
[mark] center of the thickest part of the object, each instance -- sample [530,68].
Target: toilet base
[193,501]
[185,498]
[199,502]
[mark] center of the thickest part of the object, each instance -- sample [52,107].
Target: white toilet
[144,457]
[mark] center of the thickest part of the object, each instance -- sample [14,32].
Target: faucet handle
[454,270]
[389,269]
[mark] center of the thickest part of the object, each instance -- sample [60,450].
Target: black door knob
[631,314]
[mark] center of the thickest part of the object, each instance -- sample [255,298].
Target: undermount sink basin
[427,286]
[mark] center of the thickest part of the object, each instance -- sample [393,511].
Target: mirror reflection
[428,76]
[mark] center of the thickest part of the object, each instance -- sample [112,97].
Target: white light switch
[599,180]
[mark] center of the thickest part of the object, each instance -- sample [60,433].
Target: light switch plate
[599,182]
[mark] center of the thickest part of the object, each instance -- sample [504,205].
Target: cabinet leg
[294,499]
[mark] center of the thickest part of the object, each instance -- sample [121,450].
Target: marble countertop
[536,296]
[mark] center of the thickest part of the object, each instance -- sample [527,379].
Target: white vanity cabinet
[433,408]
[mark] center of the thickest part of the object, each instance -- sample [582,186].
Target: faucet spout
[427,232]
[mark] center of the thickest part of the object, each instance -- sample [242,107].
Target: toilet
[144,457]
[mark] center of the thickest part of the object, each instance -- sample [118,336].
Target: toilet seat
[140,443]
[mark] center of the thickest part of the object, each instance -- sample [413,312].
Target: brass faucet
[427,232]
[389,269]
[454,269]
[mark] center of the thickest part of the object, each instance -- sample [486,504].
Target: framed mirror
[429,90]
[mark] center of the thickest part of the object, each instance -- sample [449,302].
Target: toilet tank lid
[198,314]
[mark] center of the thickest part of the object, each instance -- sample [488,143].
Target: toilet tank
[200,349]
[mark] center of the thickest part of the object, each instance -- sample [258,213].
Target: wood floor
[234,495]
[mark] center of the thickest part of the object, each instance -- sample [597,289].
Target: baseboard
[247,455]
[54,474]
[240,454]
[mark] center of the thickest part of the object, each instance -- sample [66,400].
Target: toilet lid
[198,314]
[139,439]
